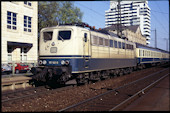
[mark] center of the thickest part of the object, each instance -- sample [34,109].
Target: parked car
[21,67]
[6,69]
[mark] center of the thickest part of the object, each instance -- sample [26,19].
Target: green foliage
[50,13]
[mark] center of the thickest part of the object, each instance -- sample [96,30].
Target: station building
[19,31]
[131,33]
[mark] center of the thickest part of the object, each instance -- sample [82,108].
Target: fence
[17,67]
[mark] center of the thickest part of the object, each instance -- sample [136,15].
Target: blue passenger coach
[150,55]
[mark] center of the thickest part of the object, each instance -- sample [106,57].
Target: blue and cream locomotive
[81,52]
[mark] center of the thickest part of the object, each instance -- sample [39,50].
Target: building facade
[130,13]
[19,31]
[130,33]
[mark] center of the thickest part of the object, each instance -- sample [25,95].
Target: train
[79,51]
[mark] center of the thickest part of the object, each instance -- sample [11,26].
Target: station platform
[14,82]
[156,99]
[12,79]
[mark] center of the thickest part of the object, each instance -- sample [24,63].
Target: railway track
[27,93]
[116,99]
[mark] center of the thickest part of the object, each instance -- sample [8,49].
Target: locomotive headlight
[40,62]
[67,62]
[62,62]
[44,62]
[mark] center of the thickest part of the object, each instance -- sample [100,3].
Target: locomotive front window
[47,35]
[64,35]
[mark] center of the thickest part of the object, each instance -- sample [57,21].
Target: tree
[51,13]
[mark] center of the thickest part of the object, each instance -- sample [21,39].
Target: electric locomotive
[84,53]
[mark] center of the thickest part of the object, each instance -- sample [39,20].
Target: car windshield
[23,65]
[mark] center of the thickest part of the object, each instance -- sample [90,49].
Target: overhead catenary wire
[94,12]
[160,23]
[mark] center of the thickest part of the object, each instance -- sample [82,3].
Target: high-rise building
[130,13]
[19,31]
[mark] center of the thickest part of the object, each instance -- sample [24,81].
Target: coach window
[115,44]
[132,47]
[140,52]
[149,53]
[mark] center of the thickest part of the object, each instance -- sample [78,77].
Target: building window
[27,3]
[27,24]
[11,20]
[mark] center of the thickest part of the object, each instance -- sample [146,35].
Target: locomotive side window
[123,45]
[100,41]
[115,44]
[111,43]
[94,40]
[47,35]
[106,42]
[119,44]
[85,37]
[64,35]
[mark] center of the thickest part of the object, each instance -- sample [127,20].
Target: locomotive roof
[90,28]
[83,25]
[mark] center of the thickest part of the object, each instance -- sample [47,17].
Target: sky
[94,15]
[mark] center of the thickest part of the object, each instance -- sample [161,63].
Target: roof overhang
[19,44]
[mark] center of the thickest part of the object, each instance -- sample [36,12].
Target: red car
[21,68]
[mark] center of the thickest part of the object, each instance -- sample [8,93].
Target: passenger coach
[150,56]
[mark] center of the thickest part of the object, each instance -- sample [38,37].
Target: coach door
[86,49]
